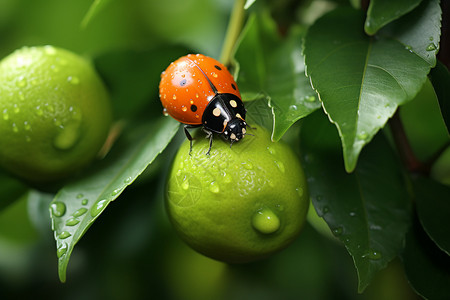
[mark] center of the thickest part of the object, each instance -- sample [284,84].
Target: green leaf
[426,266]
[382,12]
[274,67]
[362,80]
[369,209]
[433,207]
[79,204]
[94,9]
[440,78]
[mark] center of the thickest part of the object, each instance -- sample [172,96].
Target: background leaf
[382,12]
[367,210]
[94,9]
[440,78]
[426,266]
[433,207]
[78,205]
[360,80]
[274,69]
[10,190]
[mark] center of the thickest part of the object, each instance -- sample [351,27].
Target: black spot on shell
[183,82]
[233,86]
[194,108]
[217,67]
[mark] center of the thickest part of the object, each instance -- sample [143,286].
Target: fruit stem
[404,147]
[233,31]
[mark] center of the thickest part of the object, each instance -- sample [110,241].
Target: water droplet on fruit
[64,235]
[431,47]
[16,108]
[58,209]
[98,207]
[248,165]
[54,68]
[62,249]
[185,184]
[73,80]
[214,187]
[80,212]
[72,222]
[265,221]
[21,81]
[26,126]
[39,111]
[50,50]
[165,113]
[227,178]
[299,191]
[68,136]
[271,150]
[280,166]
[15,128]
[372,254]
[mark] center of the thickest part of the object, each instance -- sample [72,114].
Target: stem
[233,31]
[404,147]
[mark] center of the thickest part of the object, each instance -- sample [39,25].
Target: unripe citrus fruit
[54,113]
[237,204]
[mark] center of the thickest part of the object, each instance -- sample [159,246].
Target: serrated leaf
[382,12]
[369,209]
[362,80]
[274,68]
[433,207]
[79,204]
[426,266]
[94,9]
[440,78]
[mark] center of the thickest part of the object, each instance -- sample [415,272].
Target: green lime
[237,204]
[55,113]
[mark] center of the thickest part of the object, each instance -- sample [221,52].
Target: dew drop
[79,196]
[15,128]
[16,109]
[299,191]
[338,231]
[72,222]
[431,47]
[68,136]
[293,107]
[64,235]
[58,209]
[73,80]
[174,97]
[214,75]
[362,136]
[185,184]
[265,221]
[128,180]
[39,111]
[372,254]
[115,192]
[26,126]
[227,178]
[248,165]
[165,113]
[54,68]
[214,187]
[311,99]
[80,212]
[280,166]
[62,249]
[352,214]
[21,81]
[50,50]
[183,108]
[271,150]
[85,201]
[98,207]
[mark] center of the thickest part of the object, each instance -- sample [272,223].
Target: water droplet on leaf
[80,212]
[98,207]
[72,222]
[58,209]
[431,47]
[64,235]
[62,249]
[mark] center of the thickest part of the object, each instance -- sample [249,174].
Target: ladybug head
[235,130]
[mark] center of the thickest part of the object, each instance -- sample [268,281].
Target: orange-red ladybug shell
[185,88]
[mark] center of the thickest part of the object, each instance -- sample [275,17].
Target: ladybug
[197,90]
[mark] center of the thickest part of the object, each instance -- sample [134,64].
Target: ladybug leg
[189,137]
[209,135]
